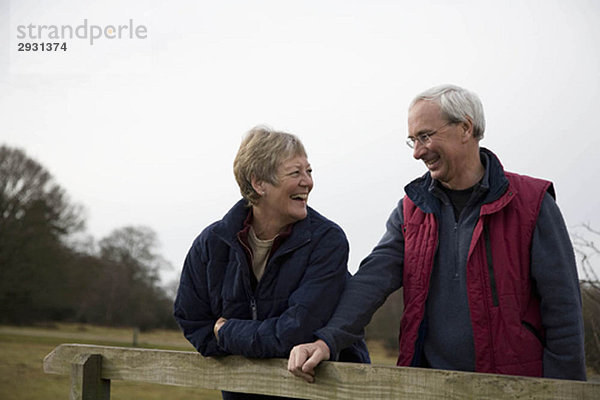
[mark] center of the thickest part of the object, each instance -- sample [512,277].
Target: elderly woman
[270,273]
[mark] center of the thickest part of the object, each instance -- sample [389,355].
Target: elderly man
[486,263]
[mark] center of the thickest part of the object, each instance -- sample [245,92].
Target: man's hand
[305,357]
[218,326]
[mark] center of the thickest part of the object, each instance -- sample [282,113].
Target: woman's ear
[258,186]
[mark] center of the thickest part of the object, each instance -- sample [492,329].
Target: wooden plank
[334,380]
[86,378]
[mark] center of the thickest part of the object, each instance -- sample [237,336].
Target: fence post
[136,333]
[86,378]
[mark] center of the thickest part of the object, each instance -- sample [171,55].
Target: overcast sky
[143,130]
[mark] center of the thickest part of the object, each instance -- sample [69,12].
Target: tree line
[48,273]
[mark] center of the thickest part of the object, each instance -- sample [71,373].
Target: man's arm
[378,276]
[554,271]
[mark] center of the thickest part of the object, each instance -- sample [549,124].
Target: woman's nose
[306,180]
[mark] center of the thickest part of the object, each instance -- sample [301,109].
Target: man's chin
[437,175]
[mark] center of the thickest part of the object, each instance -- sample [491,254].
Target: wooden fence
[93,367]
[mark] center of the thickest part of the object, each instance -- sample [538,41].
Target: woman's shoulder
[320,223]
[223,230]
[202,241]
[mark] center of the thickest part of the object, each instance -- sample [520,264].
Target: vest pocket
[535,332]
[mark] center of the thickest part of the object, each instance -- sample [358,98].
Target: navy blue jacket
[297,294]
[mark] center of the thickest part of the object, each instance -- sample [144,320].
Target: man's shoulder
[526,179]
[529,184]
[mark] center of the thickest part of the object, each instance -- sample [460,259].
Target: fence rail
[93,367]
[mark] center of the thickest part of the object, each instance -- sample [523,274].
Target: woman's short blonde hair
[261,153]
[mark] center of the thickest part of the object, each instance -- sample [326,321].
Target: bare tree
[26,185]
[585,239]
[130,281]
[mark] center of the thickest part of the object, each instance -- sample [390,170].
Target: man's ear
[467,127]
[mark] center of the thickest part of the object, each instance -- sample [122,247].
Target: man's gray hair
[457,104]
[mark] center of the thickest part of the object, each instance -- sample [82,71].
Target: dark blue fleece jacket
[297,294]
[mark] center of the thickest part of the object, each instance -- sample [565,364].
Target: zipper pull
[254,309]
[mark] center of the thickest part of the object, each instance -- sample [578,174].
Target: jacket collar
[233,222]
[494,182]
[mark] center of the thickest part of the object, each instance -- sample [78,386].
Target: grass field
[22,350]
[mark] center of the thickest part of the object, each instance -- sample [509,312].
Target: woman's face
[286,201]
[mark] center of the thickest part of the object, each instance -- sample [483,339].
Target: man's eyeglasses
[424,138]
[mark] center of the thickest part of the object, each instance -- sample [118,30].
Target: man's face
[445,154]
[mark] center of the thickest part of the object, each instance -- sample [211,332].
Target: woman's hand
[218,326]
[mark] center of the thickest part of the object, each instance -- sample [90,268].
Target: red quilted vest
[505,312]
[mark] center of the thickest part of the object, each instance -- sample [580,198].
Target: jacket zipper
[254,309]
[488,248]
[253,305]
[490,264]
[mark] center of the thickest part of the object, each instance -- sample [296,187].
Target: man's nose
[418,150]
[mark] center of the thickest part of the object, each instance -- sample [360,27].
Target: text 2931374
[43,46]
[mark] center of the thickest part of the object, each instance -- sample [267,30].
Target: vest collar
[421,190]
